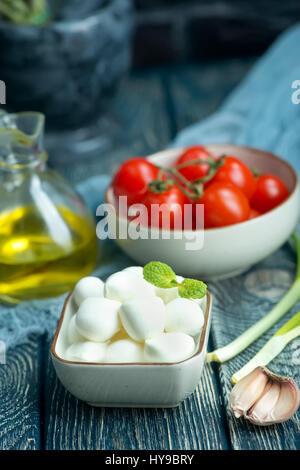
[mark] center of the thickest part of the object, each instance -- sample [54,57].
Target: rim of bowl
[197,353]
[226,227]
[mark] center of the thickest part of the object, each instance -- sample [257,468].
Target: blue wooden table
[36,412]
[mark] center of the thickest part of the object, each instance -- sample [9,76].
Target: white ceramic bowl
[226,251]
[128,385]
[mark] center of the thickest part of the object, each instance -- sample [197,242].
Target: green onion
[289,331]
[259,328]
[25,12]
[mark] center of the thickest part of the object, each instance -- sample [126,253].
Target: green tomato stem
[192,189]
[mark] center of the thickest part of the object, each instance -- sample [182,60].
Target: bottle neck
[21,141]
[14,162]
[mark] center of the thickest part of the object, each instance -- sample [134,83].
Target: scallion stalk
[259,328]
[35,12]
[289,331]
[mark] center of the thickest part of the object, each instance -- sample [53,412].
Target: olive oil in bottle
[47,234]
[36,264]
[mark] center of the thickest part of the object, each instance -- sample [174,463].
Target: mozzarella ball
[89,286]
[169,347]
[73,334]
[97,319]
[125,285]
[143,317]
[125,350]
[167,295]
[201,303]
[185,316]
[86,351]
[138,270]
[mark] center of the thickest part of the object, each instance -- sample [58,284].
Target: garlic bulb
[264,398]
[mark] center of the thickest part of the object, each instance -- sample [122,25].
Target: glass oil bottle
[47,234]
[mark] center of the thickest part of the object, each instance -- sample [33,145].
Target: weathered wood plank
[20,389]
[254,293]
[71,424]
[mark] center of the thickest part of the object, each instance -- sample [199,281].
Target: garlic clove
[288,402]
[263,409]
[274,399]
[246,392]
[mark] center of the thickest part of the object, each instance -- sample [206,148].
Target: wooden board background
[36,412]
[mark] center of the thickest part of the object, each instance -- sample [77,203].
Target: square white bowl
[138,385]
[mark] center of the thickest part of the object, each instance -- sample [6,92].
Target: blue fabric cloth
[259,113]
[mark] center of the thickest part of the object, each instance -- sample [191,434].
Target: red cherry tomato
[193,172]
[253,214]
[132,178]
[224,204]
[174,200]
[237,173]
[270,192]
